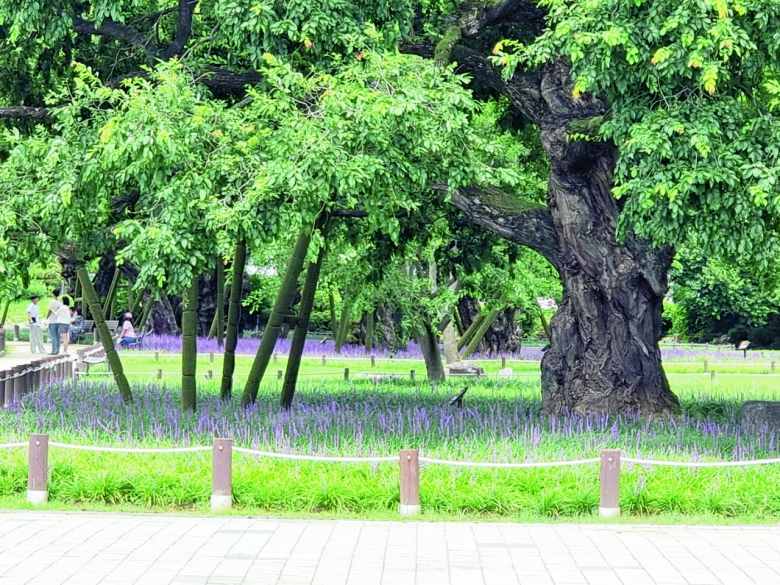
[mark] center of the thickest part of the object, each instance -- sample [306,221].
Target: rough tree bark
[229,360]
[604,355]
[429,346]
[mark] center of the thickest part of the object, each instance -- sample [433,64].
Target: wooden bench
[89,325]
[112,327]
[92,356]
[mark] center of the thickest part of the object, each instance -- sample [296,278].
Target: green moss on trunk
[301,329]
[93,302]
[229,362]
[220,302]
[274,326]
[189,347]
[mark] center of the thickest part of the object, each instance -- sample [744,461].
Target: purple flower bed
[172,343]
[497,423]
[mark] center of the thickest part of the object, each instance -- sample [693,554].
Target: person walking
[54,331]
[36,333]
[63,324]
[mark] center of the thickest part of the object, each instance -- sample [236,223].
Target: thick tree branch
[523,89]
[525,223]
[359,213]
[186,8]
[23,112]
[117,31]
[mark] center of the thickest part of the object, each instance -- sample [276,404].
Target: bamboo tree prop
[108,307]
[229,361]
[301,329]
[472,329]
[220,316]
[274,326]
[213,326]
[5,312]
[78,297]
[136,302]
[189,347]
[147,312]
[369,331]
[130,298]
[334,324]
[344,323]
[486,323]
[93,302]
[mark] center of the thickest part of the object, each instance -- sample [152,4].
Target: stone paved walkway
[43,548]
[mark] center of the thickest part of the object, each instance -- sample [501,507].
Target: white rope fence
[409,459]
[390,459]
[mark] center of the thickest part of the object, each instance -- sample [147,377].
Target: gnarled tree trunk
[604,355]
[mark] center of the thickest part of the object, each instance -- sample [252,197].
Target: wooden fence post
[324,361]
[280,374]
[38,471]
[211,357]
[373,361]
[159,374]
[410,482]
[3,375]
[609,478]
[346,374]
[503,362]
[157,356]
[705,366]
[411,375]
[222,474]
[18,383]
[774,364]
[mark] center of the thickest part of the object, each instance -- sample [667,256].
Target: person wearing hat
[127,335]
[36,333]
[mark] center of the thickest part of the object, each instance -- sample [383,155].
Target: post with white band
[38,473]
[410,482]
[222,475]
[609,478]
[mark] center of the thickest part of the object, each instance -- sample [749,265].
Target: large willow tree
[655,121]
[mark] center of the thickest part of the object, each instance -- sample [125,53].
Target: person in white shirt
[63,324]
[54,332]
[36,333]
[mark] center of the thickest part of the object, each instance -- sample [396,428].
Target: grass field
[501,421]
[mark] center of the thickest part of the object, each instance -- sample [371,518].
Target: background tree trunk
[345,322]
[429,346]
[369,331]
[334,323]
[450,343]
[189,347]
[220,316]
[301,330]
[384,327]
[4,315]
[105,335]
[282,307]
[229,360]
[604,355]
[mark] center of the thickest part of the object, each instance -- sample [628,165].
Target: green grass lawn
[501,421]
